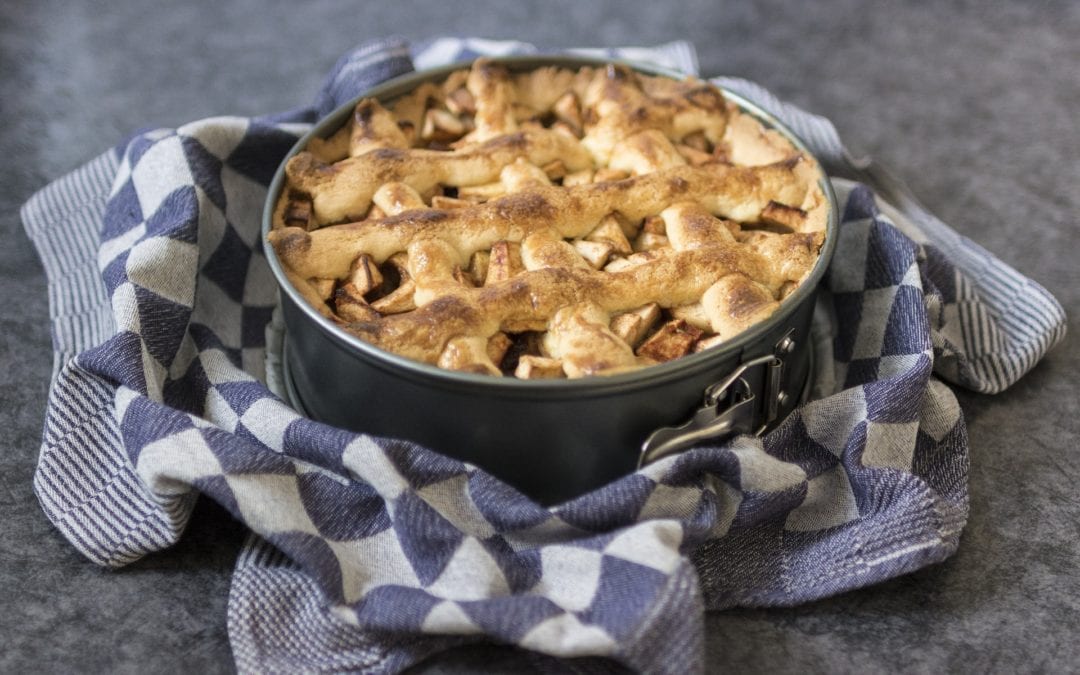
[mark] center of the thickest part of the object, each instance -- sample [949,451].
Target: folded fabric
[370,554]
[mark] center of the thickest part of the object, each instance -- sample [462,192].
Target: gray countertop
[974,104]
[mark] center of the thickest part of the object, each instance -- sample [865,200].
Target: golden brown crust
[496,204]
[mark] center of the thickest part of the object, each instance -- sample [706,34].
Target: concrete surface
[973,103]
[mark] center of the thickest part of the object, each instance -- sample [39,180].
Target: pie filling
[550,223]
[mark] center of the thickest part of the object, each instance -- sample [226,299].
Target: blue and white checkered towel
[369,555]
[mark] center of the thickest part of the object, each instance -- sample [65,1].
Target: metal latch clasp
[729,408]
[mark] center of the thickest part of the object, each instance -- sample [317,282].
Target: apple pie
[550,223]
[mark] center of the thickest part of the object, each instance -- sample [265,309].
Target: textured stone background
[973,103]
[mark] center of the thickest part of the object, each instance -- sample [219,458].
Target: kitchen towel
[370,555]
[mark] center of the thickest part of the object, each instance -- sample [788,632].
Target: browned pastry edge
[733,192]
[676,279]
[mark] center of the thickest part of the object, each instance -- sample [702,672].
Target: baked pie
[550,223]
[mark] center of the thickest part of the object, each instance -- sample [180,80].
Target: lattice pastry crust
[552,223]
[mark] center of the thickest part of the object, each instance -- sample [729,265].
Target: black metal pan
[551,439]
